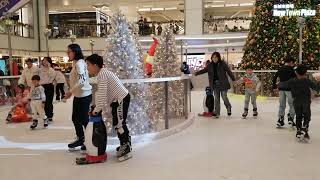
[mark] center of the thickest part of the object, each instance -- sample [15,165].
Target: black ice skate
[9,118]
[77,143]
[34,124]
[255,112]
[229,111]
[124,152]
[291,122]
[46,123]
[301,136]
[245,114]
[280,122]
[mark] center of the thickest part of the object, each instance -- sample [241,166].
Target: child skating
[37,100]
[300,89]
[252,85]
[111,92]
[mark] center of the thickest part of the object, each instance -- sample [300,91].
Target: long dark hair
[49,60]
[77,51]
[217,54]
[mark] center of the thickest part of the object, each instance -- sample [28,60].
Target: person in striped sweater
[111,92]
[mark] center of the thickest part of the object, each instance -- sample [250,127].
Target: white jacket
[27,74]
[79,79]
[60,78]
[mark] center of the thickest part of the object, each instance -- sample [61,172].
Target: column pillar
[194,17]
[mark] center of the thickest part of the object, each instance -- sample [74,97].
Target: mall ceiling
[87,5]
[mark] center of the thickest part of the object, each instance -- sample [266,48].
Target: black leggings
[80,117]
[59,91]
[119,114]
[49,92]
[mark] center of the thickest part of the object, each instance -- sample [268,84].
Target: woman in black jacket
[218,72]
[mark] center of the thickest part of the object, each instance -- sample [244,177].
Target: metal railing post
[166,108]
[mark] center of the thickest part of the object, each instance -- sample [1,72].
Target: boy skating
[37,100]
[285,73]
[252,85]
[111,92]
[300,89]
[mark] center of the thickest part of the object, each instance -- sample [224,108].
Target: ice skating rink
[211,149]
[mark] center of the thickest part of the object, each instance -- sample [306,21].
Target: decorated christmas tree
[124,57]
[166,64]
[272,39]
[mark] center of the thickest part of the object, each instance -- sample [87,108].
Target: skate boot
[255,112]
[83,149]
[46,123]
[300,135]
[280,122]
[118,148]
[34,124]
[291,122]
[306,134]
[229,111]
[9,118]
[205,114]
[245,114]
[77,143]
[124,152]
[50,119]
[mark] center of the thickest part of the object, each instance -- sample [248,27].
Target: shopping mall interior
[185,89]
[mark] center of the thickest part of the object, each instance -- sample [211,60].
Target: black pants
[80,117]
[119,117]
[49,92]
[60,91]
[303,115]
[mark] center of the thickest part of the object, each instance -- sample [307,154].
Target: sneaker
[46,123]
[34,124]
[280,122]
[78,142]
[124,152]
[229,111]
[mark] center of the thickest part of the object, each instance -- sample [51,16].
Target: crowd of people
[37,94]
[148,28]
[294,87]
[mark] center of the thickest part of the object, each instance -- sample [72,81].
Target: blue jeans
[283,96]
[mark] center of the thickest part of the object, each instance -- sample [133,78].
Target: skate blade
[302,140]
[71,150]
[125,157]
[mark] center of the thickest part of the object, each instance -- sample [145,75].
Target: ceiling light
[218,1]
[144,9]
[246,4]
[220,5]
[157,9]
[171,8]
[66,3]
[232,5]
[147,6]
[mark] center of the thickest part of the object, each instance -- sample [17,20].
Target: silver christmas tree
[166,64]
[124,57]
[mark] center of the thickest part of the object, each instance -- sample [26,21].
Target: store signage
[6,5]
[195,62]
[280,10]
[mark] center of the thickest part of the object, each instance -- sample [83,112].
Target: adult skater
[285,73]
[28,73]
[80,88]
[47,75]
[111,92]
[218,72]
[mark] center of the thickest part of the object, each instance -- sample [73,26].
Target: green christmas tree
[272,39]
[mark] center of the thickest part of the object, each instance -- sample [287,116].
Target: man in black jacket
[218,72]
[285,73]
